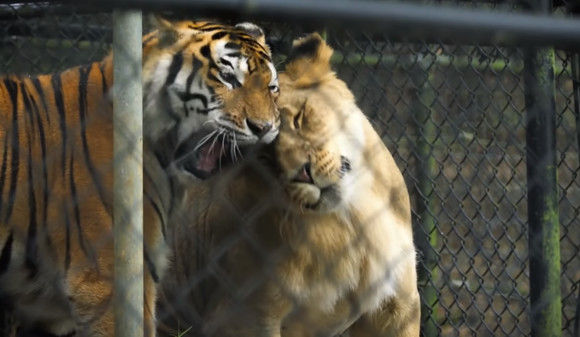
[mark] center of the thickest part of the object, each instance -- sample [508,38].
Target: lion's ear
[309,58]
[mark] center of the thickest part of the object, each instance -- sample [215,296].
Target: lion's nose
[344,164]
[259,129]
[304,175]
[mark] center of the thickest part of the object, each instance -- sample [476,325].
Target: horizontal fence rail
[392,18]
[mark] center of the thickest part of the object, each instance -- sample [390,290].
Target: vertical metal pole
[427,238]
[544,231]
[576,93]
[576,87]
[128,174]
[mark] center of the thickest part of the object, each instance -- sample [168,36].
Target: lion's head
[322,135]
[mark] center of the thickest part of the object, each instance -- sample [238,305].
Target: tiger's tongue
[208,157]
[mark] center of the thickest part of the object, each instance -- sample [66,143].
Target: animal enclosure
[486,133]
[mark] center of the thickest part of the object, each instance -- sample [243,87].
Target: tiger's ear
[308,59]
[254,31]
[169,32]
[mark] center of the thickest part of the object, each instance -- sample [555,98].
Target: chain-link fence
[453,115]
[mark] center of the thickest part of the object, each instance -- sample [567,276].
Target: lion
[308,236]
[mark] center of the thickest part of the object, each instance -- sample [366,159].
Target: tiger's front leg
[150,297]
[102,322]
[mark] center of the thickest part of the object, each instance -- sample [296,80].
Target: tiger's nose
[259,129]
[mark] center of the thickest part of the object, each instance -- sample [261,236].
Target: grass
[182,334]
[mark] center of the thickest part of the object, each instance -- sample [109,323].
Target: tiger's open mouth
[206,153]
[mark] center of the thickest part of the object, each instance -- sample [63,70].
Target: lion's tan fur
[270,264]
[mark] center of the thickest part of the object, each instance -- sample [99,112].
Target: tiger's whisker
[234,147]
[221,150]
[221,131]
[239,151]
[232,150]
[205,139]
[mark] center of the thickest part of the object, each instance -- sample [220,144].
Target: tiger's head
[323,139]
[212,86]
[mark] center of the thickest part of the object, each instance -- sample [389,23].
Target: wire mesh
[476,263]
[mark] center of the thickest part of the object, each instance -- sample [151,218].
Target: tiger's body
[56,165]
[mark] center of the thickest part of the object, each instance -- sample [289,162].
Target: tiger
[56,160]
[311,235]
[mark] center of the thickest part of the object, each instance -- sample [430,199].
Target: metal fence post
[576,94]
[576,87]
[128,174]
[427,237]
[541,165]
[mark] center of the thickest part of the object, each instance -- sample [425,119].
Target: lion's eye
[298,119]
[274,89]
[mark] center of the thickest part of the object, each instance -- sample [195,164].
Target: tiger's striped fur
[56,165]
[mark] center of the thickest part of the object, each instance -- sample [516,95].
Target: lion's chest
[327,262]
[335,271]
